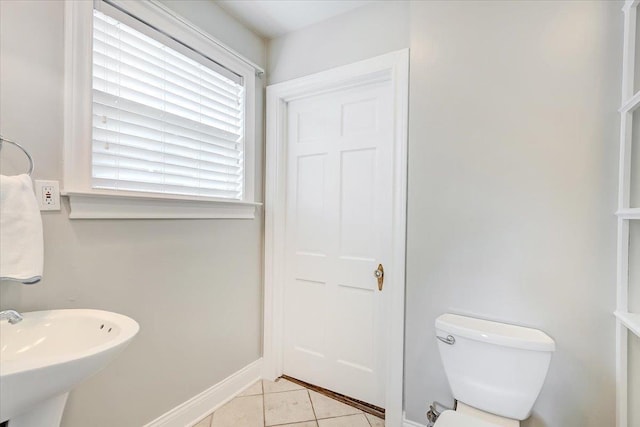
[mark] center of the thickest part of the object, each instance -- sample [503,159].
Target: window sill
[118,206]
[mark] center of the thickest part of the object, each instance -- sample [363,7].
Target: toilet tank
[495,367]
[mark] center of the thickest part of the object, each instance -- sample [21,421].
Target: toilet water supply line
[433,413]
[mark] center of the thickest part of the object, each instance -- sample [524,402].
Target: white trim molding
[198,407]
[626,321]
[394,67]
[259,70]
[630,320]
[629,213]
[119,206]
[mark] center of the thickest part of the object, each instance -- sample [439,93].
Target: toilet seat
[458,419]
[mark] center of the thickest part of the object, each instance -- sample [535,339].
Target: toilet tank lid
[495,332]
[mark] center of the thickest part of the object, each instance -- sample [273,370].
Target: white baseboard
[193,410]
[408,423]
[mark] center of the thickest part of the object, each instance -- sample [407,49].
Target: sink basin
[48,353]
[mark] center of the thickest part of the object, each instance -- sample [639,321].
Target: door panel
[310,298]
[309,206]
[357,197]
[338,228]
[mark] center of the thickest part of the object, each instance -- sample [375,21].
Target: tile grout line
[368,420]
[286,391]
[293,423]
[264,405]
[342,416]
[213,414]
[327,418]
[315,417]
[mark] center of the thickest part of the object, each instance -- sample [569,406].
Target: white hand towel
[21,239]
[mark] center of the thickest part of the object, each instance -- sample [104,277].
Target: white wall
[512,188]
[193,285]
[512,177]
[359,34]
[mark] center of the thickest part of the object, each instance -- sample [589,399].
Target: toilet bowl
[495,370]
[458,419]
[467,416]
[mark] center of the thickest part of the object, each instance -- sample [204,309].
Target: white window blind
[162,121]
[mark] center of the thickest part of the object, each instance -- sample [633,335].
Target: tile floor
[283,403]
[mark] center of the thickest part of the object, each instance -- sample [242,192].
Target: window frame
[88,202]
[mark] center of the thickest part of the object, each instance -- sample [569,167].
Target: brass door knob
[379,274]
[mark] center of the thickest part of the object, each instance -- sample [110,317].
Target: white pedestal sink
[48,353]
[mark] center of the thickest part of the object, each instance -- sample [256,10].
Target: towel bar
[2,139]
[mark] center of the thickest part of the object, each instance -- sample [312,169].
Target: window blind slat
[162,122]
[175,150]
[143,127]
[175,125]
[110,70]
[164,173]
[120,175]
[126,89]
[171,158]
[178,63]
[136,69]
[174,144]
[148,187]
[115,45]
[123,33]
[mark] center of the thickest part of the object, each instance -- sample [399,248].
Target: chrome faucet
[11,315]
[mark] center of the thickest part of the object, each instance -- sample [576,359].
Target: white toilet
[495,370]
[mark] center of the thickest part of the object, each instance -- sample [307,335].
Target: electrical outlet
[48,195]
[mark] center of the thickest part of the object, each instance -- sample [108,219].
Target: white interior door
[338,229]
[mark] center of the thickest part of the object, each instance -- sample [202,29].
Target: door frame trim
[393,66]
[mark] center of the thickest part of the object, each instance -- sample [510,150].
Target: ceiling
[272,18]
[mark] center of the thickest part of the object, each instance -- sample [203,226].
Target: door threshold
[358,404]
